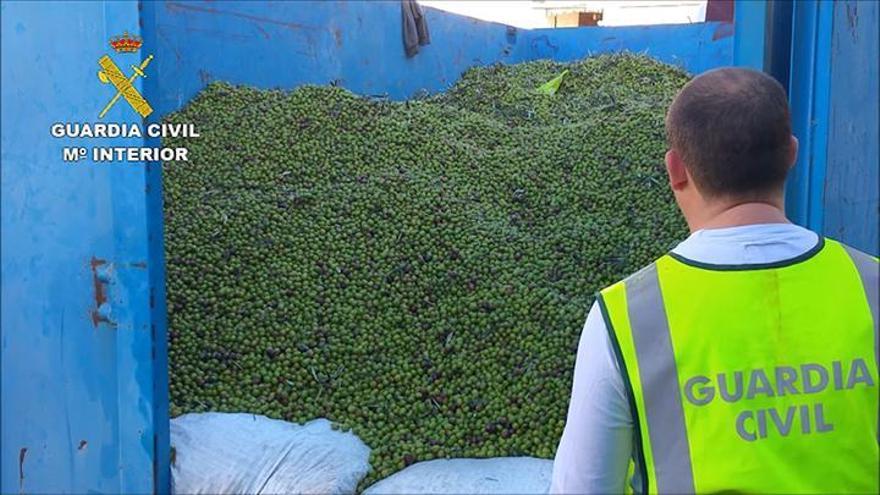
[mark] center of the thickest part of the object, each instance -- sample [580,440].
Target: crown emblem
[126,43]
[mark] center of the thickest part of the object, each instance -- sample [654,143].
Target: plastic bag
[552,86]
[245,453]
[497,475]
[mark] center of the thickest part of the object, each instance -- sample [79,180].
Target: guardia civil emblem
[110,73]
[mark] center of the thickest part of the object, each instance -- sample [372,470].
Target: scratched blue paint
[78,399]
[358,45]
[287,44]
[832,78]
[852,184]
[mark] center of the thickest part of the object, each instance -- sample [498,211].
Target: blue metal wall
[359,46]
[85,401]
[809,92]
[694,47]
[81,398]
[852,178]
[833,91]
[287,44]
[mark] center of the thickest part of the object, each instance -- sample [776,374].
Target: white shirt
[597,443]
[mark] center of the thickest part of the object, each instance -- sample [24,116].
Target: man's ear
[792,152]
[675,168]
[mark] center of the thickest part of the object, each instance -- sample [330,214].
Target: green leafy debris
[552,86]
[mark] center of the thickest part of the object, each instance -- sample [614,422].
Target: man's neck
[739,214]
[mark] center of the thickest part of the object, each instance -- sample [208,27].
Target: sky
[531,13]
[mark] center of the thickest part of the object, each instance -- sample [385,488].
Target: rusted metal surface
[100,290]
[723,30]
[101,279]
[80,403]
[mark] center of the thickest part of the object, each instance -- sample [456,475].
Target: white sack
[497,475]
[244,453]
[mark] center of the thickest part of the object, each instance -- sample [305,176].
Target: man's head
[730,141]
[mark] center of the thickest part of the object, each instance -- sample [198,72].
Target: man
[746,359]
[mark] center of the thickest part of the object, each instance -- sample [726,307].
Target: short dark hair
[732,128]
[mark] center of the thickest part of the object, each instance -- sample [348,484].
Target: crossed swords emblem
[111,74]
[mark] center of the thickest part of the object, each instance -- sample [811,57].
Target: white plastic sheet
[244,453]
[497,475]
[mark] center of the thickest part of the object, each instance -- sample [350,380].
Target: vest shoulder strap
[869,272]
[635,317]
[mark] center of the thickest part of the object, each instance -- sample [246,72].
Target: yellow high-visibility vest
[754,378]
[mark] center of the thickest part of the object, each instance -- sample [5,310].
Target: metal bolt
[104,311]
[104,273]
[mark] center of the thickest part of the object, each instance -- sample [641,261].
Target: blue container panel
[852,183]
[694,47]
[359,45]
[78,394]
[809,92]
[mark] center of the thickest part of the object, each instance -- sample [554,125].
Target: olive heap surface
[418,271]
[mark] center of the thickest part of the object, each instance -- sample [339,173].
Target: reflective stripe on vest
[869,272]
[750,379]
[659,379]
